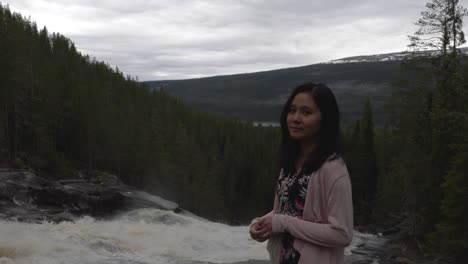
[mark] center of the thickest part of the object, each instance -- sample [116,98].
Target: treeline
[414,171]
[62,112]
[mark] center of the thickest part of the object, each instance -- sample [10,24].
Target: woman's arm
[338,230]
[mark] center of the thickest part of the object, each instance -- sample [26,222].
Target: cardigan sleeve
[336,232]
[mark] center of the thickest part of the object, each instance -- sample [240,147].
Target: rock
[142,199]
[101,178]
[392,251]
[363,261]
[359,252]
[404,260]
[30,198]
[353,259]
[390,231]
[360,244]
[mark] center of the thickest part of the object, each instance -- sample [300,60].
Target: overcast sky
[179,39]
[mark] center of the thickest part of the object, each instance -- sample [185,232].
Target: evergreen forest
[64,114]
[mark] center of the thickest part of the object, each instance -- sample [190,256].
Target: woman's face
[303,118]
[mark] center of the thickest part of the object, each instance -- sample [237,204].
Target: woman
[312,217]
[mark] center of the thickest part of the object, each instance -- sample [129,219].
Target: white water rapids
[141,236]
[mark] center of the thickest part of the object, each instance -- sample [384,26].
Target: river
[140,236]
[44,222]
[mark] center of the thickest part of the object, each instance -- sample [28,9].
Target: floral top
[292,191]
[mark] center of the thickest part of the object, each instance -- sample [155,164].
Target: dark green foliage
[450,150]
[410,143]
[362,162]
[422,152]
[451,233]
[426,139]
[414,173]
[61,111]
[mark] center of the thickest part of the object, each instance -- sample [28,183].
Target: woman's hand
[261,230]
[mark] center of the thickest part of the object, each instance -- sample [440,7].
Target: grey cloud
[194,38]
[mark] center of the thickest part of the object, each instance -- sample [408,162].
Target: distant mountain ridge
[394,56]
[260,96]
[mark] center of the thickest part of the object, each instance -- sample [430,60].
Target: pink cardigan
[327,224]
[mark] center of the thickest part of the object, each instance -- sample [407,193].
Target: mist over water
[139,236]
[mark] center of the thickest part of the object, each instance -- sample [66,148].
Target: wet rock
[393,230]
[404,260]
[360,252]
[363,261]
[370,248]
[27,197]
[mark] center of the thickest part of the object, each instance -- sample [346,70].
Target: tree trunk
[454,27]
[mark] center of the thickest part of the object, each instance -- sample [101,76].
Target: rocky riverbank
[26,197]
[392,246]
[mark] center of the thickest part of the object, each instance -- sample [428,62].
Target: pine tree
[440,27]
[363,165]
[439,133]
[368,145]
[451,145]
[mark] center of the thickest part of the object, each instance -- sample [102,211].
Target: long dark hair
[329,133]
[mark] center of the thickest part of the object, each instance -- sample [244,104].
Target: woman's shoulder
[334,167]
